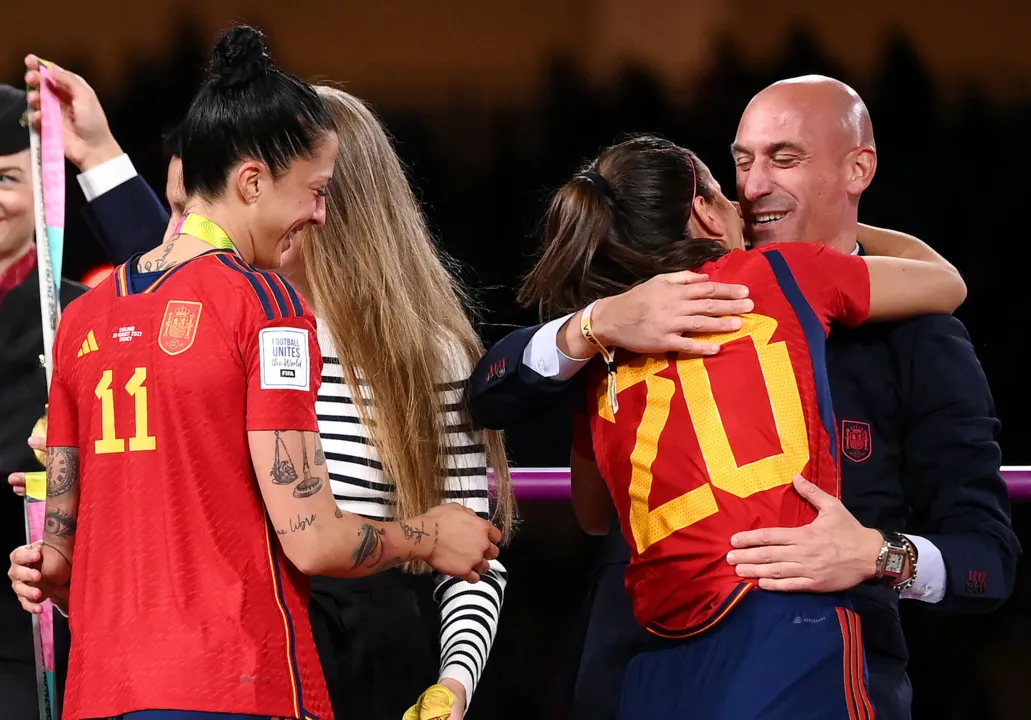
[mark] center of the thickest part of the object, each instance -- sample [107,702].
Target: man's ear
[862,170]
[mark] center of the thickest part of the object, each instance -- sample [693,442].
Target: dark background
[489,124]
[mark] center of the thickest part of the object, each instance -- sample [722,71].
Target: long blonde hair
[396,314]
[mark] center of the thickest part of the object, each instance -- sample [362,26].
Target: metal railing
[553,483]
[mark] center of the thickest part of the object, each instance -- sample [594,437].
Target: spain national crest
[179,326]
[856,443]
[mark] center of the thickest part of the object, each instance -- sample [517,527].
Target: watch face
[896,561]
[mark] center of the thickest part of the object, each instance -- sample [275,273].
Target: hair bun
[239,58]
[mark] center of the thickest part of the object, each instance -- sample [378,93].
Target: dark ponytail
[247,108]
[620,221]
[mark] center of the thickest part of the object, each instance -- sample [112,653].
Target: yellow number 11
[109,441]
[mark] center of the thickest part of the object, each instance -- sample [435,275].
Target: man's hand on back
[88,141]
[832,553]
[656,315]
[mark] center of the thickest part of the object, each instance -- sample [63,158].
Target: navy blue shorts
[777,656]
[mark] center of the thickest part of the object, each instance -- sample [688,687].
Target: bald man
[915,417]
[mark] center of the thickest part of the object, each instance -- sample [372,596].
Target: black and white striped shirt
[468,612]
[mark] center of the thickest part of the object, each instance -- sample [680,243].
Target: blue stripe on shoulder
[815,337]
[295,300]
[274,286]
[256,285]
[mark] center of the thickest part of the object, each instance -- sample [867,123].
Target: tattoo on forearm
[320,457]
[415,534]
[309,484]
[59,551]
[299,525]
[62,470]
[59,524]
[370,546]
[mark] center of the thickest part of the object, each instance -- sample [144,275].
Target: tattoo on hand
[62,470]
[59,524]
[370,546]
[415,534]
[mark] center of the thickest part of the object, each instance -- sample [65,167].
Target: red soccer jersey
[181,596]
[700,449]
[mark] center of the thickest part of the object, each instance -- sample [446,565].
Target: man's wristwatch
[891,561]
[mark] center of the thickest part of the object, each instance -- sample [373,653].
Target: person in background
[374,636]
[23,393]
[916,419]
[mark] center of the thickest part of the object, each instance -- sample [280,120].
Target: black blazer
[22,400]
[127,219]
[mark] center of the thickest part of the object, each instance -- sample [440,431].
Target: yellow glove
[434,704]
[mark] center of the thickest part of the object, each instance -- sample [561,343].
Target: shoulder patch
[284,358]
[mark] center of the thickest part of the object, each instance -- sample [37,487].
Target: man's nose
[754,183]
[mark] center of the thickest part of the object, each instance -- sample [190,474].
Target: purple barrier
[553,483]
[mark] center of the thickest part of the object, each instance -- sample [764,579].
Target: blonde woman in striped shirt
[397,347]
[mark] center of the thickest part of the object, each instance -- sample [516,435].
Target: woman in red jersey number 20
[692,450]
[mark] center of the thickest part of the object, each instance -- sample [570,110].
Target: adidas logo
[88,345]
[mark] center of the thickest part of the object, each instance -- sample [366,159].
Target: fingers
[776,571]
[472,577]
[23,557]
[30,607]
[17,482]
[699,324]
[791,584]
[762,555]
[38,443]
[765,536]
[27,578]
[31,62]
[492,552]
[690,346]
[482,568]
[714,307]
[494,535]
[715,291]
[684,277]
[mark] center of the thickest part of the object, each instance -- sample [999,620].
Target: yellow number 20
[109,441]
[650,526]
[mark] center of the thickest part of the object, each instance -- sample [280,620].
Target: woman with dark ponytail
[691,450]
[184,399]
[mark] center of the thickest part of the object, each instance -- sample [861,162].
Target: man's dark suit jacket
[924,459]
[23,398]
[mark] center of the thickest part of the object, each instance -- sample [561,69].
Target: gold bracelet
[608,356]
[911,554]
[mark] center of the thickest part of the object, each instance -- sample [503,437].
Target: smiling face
[296,200]
[16,220]
[797,150]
